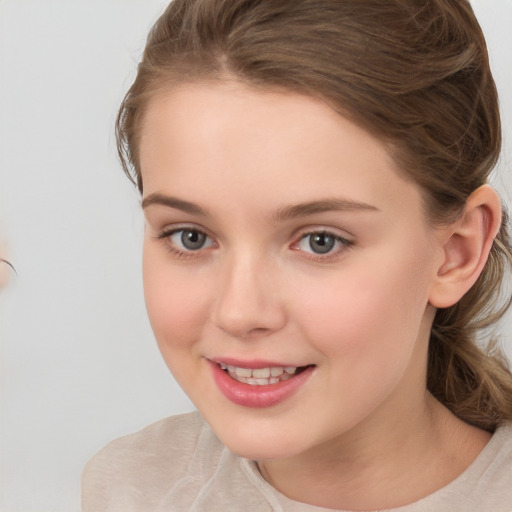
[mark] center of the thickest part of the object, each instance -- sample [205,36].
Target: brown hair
[413,72]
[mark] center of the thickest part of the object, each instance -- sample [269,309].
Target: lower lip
[258,396]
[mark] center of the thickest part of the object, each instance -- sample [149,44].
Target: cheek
[371,311]
[175,302]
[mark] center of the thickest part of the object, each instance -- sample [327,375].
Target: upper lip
[253,363]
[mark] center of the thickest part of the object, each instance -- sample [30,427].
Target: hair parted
[416,74]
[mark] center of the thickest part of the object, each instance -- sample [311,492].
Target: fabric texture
[178,465]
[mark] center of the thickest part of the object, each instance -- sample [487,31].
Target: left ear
[466,244]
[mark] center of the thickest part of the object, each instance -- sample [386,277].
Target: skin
[362,432]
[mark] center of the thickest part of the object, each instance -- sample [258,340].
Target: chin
[254,450]
[253,440]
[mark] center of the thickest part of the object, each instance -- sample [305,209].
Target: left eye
[321,243]
[190,239]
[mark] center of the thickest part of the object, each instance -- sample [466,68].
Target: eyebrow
[173,202]
[325,205]
[284,213]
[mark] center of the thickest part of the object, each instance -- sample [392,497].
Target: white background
[78,362]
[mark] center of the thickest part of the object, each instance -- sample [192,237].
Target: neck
[375,467]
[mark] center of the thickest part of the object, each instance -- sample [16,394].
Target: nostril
[257,331]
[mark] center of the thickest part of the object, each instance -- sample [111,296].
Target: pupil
[192,240]
[321,243]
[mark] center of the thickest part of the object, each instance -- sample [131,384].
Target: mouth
[269,375]
[258,384]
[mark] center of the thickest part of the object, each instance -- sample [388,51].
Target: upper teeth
[259,373]
[260,376]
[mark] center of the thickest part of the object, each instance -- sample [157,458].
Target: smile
[260,376]
[264,386]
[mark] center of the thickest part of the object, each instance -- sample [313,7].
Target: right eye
[186,240]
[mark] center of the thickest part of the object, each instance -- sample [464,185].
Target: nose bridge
[248,302]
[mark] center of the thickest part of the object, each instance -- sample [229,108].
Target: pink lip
[257,396]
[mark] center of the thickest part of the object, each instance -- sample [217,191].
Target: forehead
[200,112]
[275,144]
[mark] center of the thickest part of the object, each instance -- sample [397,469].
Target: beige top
[178,465]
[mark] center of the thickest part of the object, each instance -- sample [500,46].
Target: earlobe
[466,247]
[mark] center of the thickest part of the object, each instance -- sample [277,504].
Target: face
[287,268]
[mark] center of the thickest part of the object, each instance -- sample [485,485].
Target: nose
[249,302]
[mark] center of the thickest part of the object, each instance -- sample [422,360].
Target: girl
[322,254]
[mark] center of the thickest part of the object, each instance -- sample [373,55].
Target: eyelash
[345,244]
[166,235]
[336,253]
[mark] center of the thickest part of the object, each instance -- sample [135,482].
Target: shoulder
[168,438]
[485,485]
[497,458]
[143,465]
